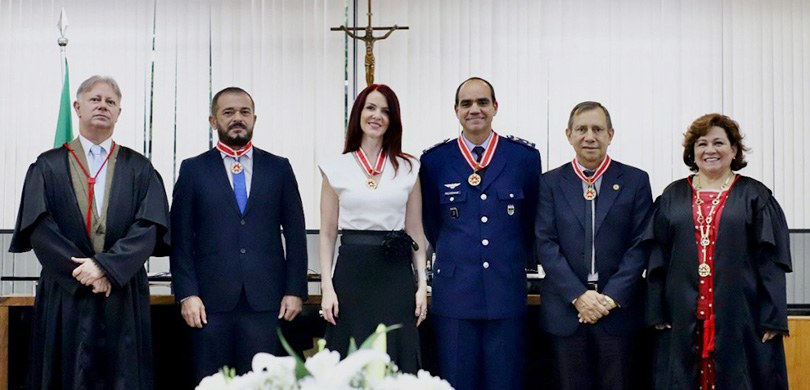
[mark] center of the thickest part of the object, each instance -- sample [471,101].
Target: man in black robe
[93,212]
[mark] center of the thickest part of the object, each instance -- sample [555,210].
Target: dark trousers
[481,354]
[233,338]
[592,359]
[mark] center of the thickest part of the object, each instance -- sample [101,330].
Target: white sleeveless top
[362,208]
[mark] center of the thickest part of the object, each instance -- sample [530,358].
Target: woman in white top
[371,193]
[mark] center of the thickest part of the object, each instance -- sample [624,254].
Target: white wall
[656,65]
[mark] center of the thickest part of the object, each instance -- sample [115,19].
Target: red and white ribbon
[597,174]
[360,155]
[488,153]
[234,153]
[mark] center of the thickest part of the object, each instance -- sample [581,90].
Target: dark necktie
[479,152]
[590,210]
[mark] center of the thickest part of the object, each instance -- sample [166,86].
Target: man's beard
[237,141]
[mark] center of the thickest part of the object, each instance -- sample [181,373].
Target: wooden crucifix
[369,39]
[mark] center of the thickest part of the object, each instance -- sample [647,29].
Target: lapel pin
[615,187]
[510,209]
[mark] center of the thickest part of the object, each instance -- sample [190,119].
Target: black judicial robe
[752,256]
[81,339]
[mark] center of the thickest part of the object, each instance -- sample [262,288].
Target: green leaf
[367,344]
[352,346]
[300,369]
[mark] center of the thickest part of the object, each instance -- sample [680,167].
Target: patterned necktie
[240,190]
[479,152]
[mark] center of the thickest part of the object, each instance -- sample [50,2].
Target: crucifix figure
[369,39]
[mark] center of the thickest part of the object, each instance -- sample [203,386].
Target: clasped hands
[592,306]
[89,274]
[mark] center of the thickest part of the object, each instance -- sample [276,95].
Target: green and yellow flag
[64,124]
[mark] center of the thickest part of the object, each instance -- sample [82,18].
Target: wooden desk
[797,352]
[7,302]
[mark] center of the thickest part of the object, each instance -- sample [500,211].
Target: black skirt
[374,289]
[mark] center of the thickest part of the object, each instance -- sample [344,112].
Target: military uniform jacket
[482,235]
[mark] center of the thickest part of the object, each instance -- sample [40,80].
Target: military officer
[479,194]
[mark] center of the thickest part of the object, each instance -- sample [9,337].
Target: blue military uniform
[483,238]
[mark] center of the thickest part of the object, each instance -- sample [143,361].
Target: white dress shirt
[247,167]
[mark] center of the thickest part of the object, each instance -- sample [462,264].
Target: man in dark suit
[479,194]
[230,271]
[590,219]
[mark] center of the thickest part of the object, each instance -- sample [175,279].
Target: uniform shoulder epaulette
[434,147]
[520,141]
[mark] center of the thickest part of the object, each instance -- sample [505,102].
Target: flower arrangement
[367,367]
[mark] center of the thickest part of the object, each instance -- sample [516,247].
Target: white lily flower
[213,382]
[322,362]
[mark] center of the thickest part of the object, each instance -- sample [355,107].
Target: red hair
[392,139]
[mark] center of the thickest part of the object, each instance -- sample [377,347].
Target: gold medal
[590,181]
[704,270]
[474,179]
[590,193]
[373,174]
[237,168]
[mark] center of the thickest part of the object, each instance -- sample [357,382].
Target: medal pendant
[474,179]
[590,193]
[704,270]
[371,184]
[704,242]
[237,168]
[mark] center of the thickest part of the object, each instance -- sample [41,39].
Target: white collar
[485,145]
[248,154]
[86,144]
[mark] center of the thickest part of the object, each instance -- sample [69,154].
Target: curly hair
[701,127]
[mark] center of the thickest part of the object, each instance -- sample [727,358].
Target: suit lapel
[572,191]
[260,164]
[608,192]
[221,183]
